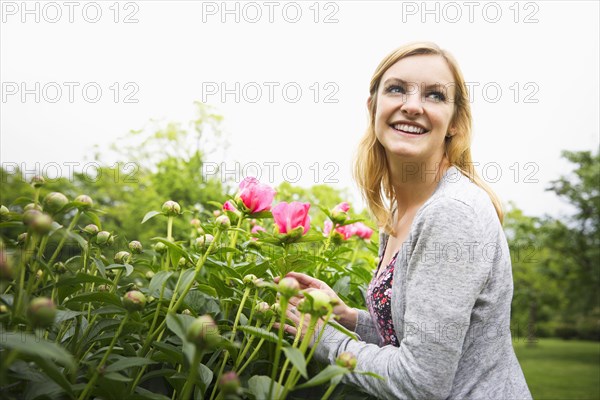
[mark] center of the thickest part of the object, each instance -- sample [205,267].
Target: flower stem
[188,387]
[256,349]
[232,338]
[64,238]
[330,390]
[283,302]
[322,252]
[92,381]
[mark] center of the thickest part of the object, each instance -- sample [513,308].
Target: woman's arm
[440,294]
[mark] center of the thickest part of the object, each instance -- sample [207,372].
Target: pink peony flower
[257,228]
[347,231]
[344,207]
[362,231]
[256,196]
[327,227]
[228,206]
[291,216]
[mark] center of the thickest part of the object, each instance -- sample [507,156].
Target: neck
[415,182]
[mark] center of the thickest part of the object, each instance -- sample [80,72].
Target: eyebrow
[430,86]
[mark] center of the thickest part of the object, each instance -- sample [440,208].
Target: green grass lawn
[561,369]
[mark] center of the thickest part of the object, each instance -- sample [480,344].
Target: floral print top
[379,300]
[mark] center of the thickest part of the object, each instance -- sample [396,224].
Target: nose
[412,104]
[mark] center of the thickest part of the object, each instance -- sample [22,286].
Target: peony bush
[188,315]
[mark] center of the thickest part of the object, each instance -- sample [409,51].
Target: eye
[395,89]
[436,96]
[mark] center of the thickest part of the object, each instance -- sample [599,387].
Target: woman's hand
[347,315]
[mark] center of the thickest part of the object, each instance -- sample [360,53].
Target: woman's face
[415,104]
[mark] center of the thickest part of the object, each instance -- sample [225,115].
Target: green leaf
[170,351]
[342,286]
[157,282]
[324,376]
[343,330]
[37,347]
[55,374]
[149,215]
[143,394]
[65,315]
[81,241]
[102,297]
[297,359]
[128,363]
[117,377]
[205,374]
[259,386]
[178,324]
[94,218]
[82,278]
[128,268]
[209,290]
[262,333]
[187,276]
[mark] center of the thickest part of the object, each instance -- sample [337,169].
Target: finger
[287,328]
[305,280]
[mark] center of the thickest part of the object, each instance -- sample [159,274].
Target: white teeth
[409,128]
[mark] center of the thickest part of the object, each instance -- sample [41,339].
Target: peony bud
[60,268]
[346,360]
[42,223]
[103,288]
[159,247]
[149,274]
[41,312]
[37,181]
[30,215]
[217,213]
[304,306]
[54,202]
[320,301]
[186,312]
[203,332]
[340,213]
[223,222]
[182,261]
[230,384]
[83,202]
[104,238]
[135,247]
[171,208]
[288,287]
[32,206]
[276,307]
[249,280]
[22,238]
[205,240]
[3,309]
[195,223]
[91,229]
[134,301]
[262,307]
[122,257]
[4,213]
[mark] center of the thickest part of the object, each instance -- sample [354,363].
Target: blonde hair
[371,170]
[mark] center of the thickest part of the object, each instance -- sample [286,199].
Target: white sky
[178,48]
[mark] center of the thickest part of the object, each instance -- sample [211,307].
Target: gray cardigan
[451,297]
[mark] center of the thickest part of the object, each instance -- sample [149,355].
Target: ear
[369,99]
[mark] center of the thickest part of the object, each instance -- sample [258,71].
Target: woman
[438,324]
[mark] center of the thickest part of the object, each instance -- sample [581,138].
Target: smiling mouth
[409,129]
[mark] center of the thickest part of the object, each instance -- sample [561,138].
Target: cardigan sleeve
[440,295]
